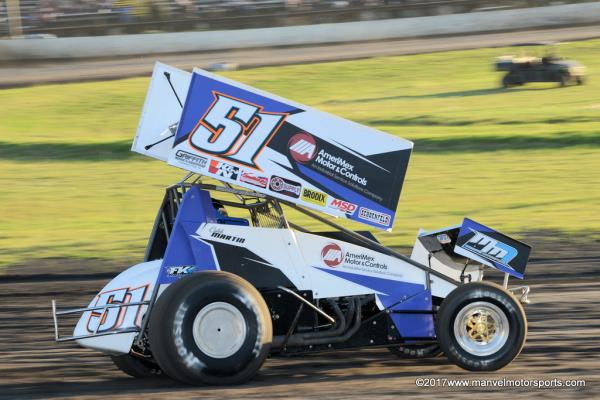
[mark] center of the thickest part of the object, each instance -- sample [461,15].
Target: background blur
[522,160]
[109,17]
[77,206]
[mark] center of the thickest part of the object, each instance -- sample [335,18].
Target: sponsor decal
[374,216]
[117,317]
[364,260]
[343,206]
[223,169]
[235,130]
[191,159]
[332,255]
[303,147]
[285,186]
[253,179]
[314,196]
[340,166]
[180,270]
[490,248]
[443,238]
[218,233]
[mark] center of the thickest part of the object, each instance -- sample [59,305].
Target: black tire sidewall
[182,358]
[135,367]
[220,292]
[496,295]
[416,351]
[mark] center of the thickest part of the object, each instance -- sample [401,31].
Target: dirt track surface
[563,343]
[55,72]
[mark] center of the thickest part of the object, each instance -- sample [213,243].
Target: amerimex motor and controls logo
[285,186]
[490,248]
[332,255]
[303,147]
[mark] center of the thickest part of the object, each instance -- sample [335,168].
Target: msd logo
[332,255]
[303,147]
[343,206]
[490,248]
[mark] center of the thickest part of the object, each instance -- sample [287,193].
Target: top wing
[241,135]
[162,111]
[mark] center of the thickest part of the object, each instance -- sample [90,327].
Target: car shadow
[277,374]
[442,95]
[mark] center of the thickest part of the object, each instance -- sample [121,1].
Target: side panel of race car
[329,268]
[267,258]
[135,284]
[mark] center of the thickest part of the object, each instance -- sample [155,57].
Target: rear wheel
[481,327]
[210,328]
[416,351]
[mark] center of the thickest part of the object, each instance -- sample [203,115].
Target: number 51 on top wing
[244,136]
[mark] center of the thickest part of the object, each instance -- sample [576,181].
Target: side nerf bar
[104,308]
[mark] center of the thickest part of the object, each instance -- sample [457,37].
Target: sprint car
[547,68]
[229,279]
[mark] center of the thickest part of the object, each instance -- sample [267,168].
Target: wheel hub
[219,329]
[481,328]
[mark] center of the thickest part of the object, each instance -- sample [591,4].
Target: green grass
[521,160]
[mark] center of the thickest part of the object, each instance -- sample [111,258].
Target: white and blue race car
[229,279]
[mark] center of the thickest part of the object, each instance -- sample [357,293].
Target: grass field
[521,160]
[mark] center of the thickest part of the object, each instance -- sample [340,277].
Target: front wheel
[481,327]
[210,328]
[135,367]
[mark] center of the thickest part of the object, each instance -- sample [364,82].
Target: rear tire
[210,328]
[416,351]
[481,326]
[135,367]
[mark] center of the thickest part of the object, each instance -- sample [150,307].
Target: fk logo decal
[235,130]
[491,248]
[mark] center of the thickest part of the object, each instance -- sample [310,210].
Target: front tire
[481,327]
[210,328]
[135,367]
